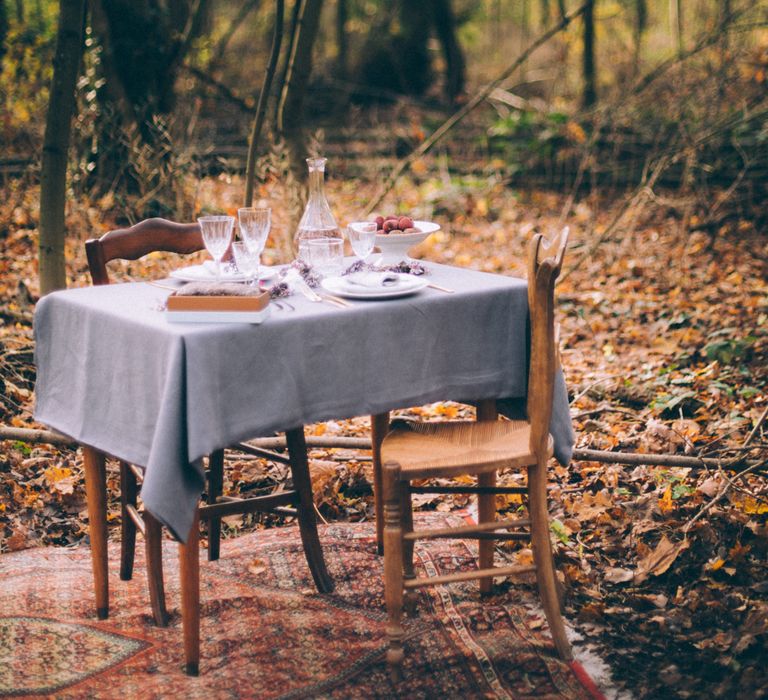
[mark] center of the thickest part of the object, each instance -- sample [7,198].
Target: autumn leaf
[660,559]
[61,478]
[747,503]
[665,502]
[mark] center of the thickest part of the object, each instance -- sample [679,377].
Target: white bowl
[395,246]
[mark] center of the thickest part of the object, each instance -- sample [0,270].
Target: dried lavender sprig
[408,267]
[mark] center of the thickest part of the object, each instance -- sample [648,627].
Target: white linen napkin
[373,280]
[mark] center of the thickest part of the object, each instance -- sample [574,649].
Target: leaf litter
[664,342]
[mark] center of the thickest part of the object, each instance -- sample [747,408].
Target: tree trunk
[3,30]
[20,11]
[445,28]
[641,24]
[53,174]
[588,64]
[544,19]
[261,107]
[676,20]
[342,59]
[293,31]
[296,81]
[725,24]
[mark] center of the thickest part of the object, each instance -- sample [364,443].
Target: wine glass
[254,227]
[246,261]
[326,255]
[362,238]
[217,234]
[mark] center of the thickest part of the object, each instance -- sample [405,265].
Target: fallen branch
[472,104]
[364,443]
[604,409]
[33,435]
[662,460]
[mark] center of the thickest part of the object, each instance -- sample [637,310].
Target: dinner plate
[407,284]
[207,273]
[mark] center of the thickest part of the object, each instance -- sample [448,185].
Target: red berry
[405,222]
[379,221]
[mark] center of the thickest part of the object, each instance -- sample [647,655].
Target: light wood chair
[419,451]
[133,243]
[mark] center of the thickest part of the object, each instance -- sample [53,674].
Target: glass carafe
[317,220]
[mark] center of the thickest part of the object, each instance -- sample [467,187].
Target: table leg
[379,428]
[486,503]
[189,566]
[153,546]
[313,551]
[96,495]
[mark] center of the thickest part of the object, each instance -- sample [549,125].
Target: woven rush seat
[425,450]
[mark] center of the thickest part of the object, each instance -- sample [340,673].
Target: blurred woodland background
[643,124]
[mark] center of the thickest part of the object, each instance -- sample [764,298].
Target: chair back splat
[425,451]
[545,262]
[148,236]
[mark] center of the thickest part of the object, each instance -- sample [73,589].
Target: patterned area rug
[266,633]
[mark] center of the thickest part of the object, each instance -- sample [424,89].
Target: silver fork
[312,295]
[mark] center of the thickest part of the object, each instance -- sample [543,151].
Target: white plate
[408,284]
[207,273]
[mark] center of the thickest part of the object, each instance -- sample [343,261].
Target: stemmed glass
[254,224]
[362,238]
[217,234]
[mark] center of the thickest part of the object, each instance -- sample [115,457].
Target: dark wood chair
[133,243]
[419,451]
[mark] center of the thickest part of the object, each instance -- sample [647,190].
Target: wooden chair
[413,450]
[131,244]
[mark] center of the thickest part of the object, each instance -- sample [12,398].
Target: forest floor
[665,348]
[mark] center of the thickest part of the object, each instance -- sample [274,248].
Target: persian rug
[266,632]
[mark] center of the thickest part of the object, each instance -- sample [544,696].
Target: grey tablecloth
[115,375]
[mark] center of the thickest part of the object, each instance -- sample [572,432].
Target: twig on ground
[719,496]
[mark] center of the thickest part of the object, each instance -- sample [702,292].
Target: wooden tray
[217,309]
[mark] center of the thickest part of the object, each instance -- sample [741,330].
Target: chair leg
[542,555]
[153,546]
[406,518]
[393,568]
[379,428]
[96,495]
[215,489]
[189,567]
[486,503]
[313,551]
[128,494]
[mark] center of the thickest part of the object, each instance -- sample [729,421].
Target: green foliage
[676,482]
[560,531]
[525,139]
[728,350]
[27,70]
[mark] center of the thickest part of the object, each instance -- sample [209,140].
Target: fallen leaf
[616,575]
[660,559]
